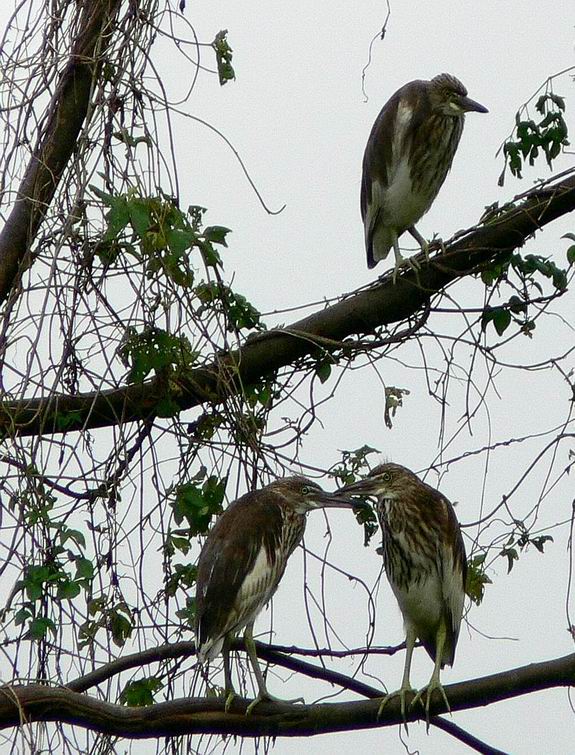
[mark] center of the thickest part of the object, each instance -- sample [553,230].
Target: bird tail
[378,242]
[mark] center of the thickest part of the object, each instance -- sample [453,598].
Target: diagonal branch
[381,304]
[67,112]
[27,703]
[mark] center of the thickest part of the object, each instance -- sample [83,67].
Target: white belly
[421,605]
[403,207]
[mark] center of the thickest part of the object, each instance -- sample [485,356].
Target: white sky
[296,115]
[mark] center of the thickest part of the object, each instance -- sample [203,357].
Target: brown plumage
[243,560]
[425,562]
[407,157]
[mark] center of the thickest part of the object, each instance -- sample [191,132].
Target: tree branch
[382,304]
[27,703]
[67,112]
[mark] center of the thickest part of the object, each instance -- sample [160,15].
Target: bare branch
[27,703]
[381,304]
[56,144]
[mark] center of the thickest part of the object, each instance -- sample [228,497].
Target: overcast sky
[297,116]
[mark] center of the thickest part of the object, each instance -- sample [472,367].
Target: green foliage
[353,465]
[116,618]
[157,234]
[522,539]
[188,613]
[223,57]
[197,504]
[154,349]
[323,368]
[183,578]
[393,400]
[548,135]
[529,269]
[476,578]
[261,394]
[241,315]
[52,578]
[141,692]
[571,250]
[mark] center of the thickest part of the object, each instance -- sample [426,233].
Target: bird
[242,562]
[426,565]
[407,157]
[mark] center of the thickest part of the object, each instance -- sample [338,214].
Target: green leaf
[120,626]
[223,57]
[323,371]
[216,234]
[571,255]
[68,590]
[501,320]
[476,579]
[511,555]
[39,627]
[84,569]
[141,692]
[197,505]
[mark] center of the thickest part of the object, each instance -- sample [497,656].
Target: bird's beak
[468,105]
[337,500]
[365,487]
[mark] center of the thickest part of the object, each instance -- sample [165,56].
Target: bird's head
[303,495]
[449,97]
[389,481]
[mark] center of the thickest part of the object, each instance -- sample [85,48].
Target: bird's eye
[306,490]
[386,476]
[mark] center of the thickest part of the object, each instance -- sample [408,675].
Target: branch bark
[27,703]
[67,112]
[382,304]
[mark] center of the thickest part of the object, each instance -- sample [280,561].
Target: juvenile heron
[242,562]
[407,157]
[425,562]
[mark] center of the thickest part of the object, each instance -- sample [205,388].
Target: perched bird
[425,562]
[407,157]
[242,562]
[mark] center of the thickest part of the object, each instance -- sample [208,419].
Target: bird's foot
[401,693]
[403,262]
[428,691]
[265,696]
[229,695]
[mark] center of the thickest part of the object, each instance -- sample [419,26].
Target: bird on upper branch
[242,562]
[407,157]
[425,562]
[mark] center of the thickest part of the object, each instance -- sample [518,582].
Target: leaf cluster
[548,135]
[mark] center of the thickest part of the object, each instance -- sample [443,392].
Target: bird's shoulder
[234,541]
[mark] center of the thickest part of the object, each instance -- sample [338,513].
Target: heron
[242,562]
[425,563]
[407,158]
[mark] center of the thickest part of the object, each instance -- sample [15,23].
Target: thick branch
[67,111]
[19,704]
[382,304]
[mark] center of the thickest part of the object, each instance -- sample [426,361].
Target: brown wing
[228,556]
[454,576]
[379,152]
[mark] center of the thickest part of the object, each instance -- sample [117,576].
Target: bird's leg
[400,260]
[405,683]
[229,690]
[263,693]
[423,243]
[434,682]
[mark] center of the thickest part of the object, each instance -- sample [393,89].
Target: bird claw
[428,691]
[270,698]
[229,695]
[401,692]
[410,262]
